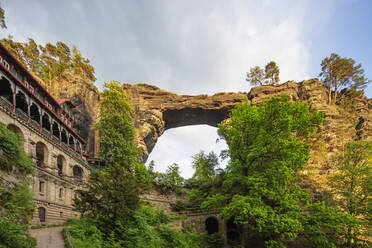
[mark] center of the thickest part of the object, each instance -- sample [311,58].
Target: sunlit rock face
[158,110]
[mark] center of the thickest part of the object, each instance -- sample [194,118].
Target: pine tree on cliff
[338,73]
[272,73]
[49,62]
[258,76]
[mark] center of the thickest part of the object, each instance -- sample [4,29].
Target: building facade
[56,149]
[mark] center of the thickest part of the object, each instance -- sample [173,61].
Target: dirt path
[48,237]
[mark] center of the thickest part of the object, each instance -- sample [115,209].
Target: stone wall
[57,190]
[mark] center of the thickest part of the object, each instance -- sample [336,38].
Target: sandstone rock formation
[158,110]
[86,99]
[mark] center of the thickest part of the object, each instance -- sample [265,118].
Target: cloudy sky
[195,47]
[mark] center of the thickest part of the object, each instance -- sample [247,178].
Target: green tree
[338,73]
[272,73]
[258,76]
[352,189]
[267,149]
[51,61]
[170,181]
[16,202]
[205,165]
[2,18]
[111,196]
[115,127]
[81,66]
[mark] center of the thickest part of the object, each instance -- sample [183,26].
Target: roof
[61,101]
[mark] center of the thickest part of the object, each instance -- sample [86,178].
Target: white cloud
[178,145]
[189,47]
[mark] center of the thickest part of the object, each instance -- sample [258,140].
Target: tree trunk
[330,86]
[335,95]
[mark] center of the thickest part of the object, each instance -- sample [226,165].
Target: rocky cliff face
[158,110]
[86,98]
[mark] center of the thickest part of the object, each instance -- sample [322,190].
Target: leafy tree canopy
[351,186]
[16,202]
[111,196]
[115,127]
[12,152]
[266,148]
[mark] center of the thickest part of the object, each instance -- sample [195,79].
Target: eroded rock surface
[86,99]
[158,110]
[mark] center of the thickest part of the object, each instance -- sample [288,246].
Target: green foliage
[111,196]
[204,165]
[323,225]
[49,62]
[272,73]
[147,229]
[11,147]
[266,149]
[257,76]
[352,189]
[338,73]
[85,234]
[13,235]
[170,181]
[115,127]
[214,240]
[16,207]
[16,202]
[206,181]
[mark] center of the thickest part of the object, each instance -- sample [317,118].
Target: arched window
[211,225]
[46,122]
[15,129]
[55,129]
[41,154]
[77,171]
[64,136]
[42,214]
[61,161]
[6,91]
[71,141]
[21,103]
[35,113]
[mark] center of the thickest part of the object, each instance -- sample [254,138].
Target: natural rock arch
[158,110]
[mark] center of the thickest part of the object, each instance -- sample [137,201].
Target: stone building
[46,124]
